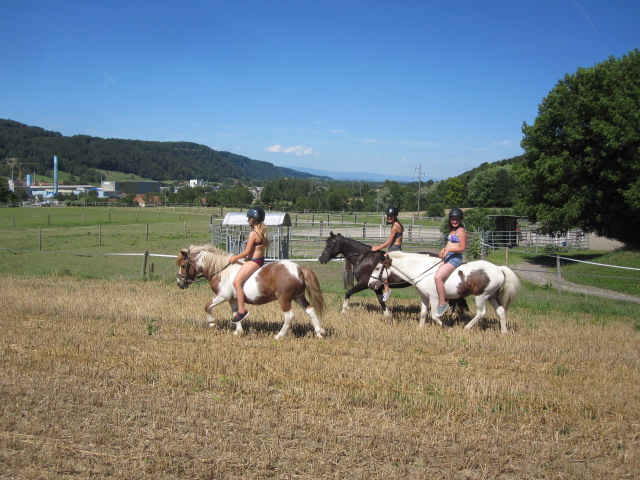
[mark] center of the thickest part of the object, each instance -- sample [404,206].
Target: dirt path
[545,274]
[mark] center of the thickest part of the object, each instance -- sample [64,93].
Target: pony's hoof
[386,312]
[211,324]
[320,333]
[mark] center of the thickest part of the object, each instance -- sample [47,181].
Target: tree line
[84,156]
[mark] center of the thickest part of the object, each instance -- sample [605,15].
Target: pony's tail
[510,287]
[312,287]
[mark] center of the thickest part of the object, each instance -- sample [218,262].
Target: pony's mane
[210,258]
[355,243]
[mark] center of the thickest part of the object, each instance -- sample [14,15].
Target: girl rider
[451,256]
[394,242]
[257,244]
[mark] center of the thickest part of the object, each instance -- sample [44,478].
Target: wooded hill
[83,156]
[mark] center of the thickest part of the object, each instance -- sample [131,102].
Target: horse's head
[380,273]
[332,248]
[187,272]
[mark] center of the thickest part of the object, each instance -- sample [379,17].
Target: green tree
[455,193]
[582,154]
[6,195]
[238,195]
[336,198]
[493,187]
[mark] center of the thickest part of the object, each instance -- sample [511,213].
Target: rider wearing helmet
[451,256]
[257,244]
[394,242]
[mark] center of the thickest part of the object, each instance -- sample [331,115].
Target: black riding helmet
[456,212]
[256,213]
[391,210]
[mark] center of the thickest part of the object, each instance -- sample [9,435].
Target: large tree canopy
[582,154]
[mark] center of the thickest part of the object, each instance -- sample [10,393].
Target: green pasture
[110,243]
[579,271]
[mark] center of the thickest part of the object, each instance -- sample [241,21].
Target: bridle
[385,267]
[186,278]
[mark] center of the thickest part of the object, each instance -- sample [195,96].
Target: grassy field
[104,375]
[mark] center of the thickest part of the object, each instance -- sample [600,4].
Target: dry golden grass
[122,380]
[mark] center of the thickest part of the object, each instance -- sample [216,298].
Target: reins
[410,281]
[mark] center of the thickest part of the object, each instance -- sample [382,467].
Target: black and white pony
[488,282]
[360,263]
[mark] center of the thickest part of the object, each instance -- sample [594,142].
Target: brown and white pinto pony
[283,281]
[488,282]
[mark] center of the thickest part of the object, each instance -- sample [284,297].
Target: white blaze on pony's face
[380,273]
[184,266]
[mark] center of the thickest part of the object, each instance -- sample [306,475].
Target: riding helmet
[256,213]
[456,212]
[391,210]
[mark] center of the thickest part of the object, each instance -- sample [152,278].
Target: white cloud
[298,150]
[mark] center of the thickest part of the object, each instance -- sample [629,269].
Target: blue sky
[385,87]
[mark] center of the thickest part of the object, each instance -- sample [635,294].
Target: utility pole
[419,169]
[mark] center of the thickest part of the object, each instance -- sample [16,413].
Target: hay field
[121,379]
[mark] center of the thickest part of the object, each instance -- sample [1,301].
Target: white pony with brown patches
[283,281]
[488,282]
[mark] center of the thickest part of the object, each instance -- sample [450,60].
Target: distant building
[140,200]
[131,187]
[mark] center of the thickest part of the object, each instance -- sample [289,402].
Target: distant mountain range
[86,157]
[354,176]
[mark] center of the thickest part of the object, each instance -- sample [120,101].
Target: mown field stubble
[121,379]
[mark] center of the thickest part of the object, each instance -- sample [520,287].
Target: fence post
[147,232]
[559,274]
[145,257]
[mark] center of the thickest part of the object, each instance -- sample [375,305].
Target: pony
[360,263]
[283,281]
[498,285]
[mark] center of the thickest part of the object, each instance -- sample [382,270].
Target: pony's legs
[355,289]
[211,321]
[317,328]
[502,314]
[433,303]
[288,317]
[385,310]
[364,285]
[423,313]
[481,311]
